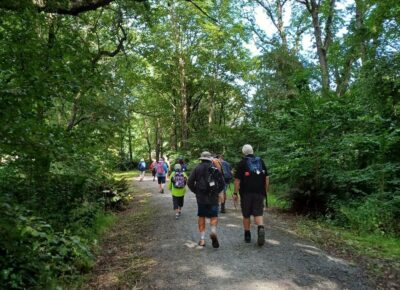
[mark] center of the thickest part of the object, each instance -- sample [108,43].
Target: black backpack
[215,180]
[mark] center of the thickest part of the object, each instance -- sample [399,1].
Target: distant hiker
[168,165]
[181,161]
[228,177]
[177,185]
[252,182]
[162,171]
[206,181]
[153,168]
[142,169]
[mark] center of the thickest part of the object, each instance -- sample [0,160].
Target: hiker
[181,161]
[142,169]
[227,173]
[162,171]
[166,161]
[206,181]
[251,182]
[153,168]
[177,185]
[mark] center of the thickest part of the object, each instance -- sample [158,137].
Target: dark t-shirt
[250,183]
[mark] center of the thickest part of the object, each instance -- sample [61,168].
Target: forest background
[88,87]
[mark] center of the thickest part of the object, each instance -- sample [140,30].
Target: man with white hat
[206,181]
[251,182]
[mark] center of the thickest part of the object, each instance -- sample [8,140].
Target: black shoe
[247,236]
[261,236]
[214,240]
[222,207]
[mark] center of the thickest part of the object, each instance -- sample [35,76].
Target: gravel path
[284,262]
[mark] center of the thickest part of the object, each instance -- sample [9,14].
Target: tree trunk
[130,144]
[360,28]
[322,44]
[157,140]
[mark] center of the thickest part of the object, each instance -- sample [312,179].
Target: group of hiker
[209,181]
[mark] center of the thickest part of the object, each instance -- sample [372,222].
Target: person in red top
[153,168]
[252,183]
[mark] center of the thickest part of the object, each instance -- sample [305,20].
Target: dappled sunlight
[273,242]
[192,245]
[305,246]
[316,252]
[233,226]
[217,272]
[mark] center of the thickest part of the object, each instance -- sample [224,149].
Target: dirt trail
[284,262]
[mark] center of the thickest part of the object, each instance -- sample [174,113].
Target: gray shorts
[252,204]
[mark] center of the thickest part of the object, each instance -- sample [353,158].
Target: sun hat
[206,156]
[177,167]
[247,149]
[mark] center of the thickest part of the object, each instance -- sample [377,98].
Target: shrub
[33,255]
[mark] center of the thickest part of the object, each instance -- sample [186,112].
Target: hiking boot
[261,236]
[247,236]
[214,240]
[162,191]
[222,207]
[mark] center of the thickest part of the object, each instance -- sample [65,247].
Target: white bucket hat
[247,149]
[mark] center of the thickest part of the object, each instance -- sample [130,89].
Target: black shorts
[252,204]
[207,210]
[161,179]
[177,201]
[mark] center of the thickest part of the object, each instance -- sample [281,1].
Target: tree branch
[74,7]
[119,47]
[202,11]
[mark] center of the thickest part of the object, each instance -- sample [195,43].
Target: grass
[371,245]
[126,174]
[122,258]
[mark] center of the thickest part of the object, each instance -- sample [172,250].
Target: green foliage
[376,214]
[33,255]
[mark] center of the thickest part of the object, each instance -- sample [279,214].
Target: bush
[378,214]
[33,255]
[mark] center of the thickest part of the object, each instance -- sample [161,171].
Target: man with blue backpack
[251,182]
[142,169]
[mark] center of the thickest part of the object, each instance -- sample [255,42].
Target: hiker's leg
[246,223]
[202,227]
[175,202]
[260,230]
[180,203]
[259,220]
[213,224]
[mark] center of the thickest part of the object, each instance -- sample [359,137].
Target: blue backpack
[254,165]
[142,166]
[226,169]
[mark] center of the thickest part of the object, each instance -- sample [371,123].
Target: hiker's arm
[191,180]
[236,189]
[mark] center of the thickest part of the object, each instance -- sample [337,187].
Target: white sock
[214,229]
[202,235]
